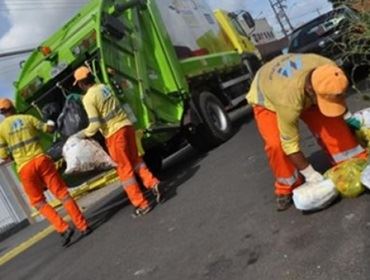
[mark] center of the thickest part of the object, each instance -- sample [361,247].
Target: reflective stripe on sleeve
[339,157]
[23,143]
[260,97]
[288,181]
[95,119]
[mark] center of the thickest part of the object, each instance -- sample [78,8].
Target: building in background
[263,32]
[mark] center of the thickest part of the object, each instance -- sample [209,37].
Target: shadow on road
[178,169]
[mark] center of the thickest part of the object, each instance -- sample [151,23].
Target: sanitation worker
[105,114]
[311,88]
[19,140]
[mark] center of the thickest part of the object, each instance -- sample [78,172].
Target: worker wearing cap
[307,87]
[19,139]
[107,116]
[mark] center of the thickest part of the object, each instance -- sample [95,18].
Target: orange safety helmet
[80,74]
[5,104]
[330,85]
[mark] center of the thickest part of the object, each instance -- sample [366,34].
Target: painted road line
[25,245]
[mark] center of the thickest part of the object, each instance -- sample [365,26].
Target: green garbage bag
[347,177]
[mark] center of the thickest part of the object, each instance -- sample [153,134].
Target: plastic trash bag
[73,117]
[310,197]
[363,116]
[82,155]
[347,177]
[51,111]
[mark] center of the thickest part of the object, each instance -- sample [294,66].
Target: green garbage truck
[168,61]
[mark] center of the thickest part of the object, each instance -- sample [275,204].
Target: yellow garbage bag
[347,177]
[363,136]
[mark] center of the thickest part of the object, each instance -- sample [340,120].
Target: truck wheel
[153,159]
[214,127]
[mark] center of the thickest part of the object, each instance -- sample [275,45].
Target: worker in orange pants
[307,87]
[18,134]
[106,115]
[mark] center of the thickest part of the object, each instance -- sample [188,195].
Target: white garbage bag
[363,116]
[365,177]
[82,155]
[310,197]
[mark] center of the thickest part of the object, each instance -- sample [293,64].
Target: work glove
[50,123]
[352,121]
[311,175]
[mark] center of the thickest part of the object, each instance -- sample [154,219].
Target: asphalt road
[219,222]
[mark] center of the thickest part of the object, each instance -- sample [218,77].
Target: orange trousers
[40,173]
[123,150]
[332,134]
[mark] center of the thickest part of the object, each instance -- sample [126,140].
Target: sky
[26,23]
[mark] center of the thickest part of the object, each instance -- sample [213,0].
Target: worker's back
[19,135]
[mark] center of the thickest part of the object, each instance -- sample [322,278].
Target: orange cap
[5,104]
[330,84]
[81,73]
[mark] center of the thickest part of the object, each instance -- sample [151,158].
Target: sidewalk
[91,203]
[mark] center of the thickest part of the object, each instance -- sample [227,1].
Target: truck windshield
[238,26]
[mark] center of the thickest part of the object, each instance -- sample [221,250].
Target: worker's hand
[352,121]
[311,175]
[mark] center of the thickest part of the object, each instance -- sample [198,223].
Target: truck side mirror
[248,19]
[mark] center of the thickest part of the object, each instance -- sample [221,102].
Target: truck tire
[214,126]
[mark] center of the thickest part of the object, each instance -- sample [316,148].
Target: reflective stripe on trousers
[139,166]
[128,182]
[289,181]
[339,157]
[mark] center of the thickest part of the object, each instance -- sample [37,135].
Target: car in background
[327,35]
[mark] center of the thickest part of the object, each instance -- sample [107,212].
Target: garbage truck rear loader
[167,61]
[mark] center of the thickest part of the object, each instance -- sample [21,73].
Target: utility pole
[279,7]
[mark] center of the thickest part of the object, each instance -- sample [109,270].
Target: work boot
[67,236]
[141,211]
[283,202]
[85,232]
[157,193]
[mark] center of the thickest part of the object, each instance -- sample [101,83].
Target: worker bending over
[307,87]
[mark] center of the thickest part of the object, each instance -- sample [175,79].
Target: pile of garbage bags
[345,180]
[348,179]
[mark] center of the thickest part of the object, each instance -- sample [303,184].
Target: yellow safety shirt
[104,111]
[279,87]
[19,138]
